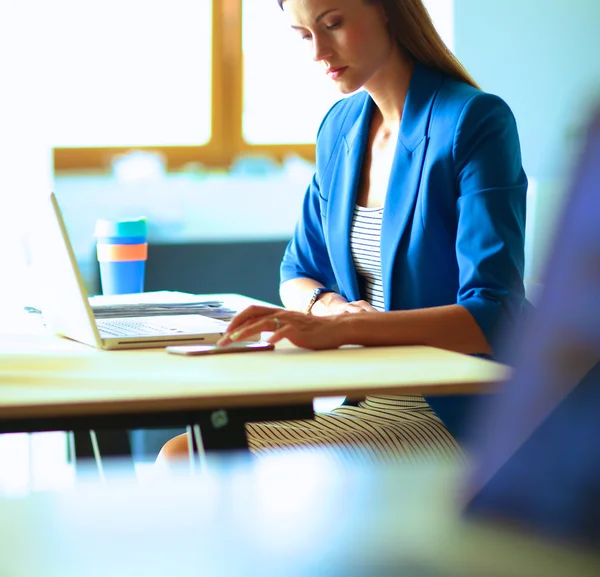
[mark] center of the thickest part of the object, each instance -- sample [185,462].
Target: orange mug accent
[122,252]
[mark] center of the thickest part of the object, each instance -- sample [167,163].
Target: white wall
[543,58]
[25,160]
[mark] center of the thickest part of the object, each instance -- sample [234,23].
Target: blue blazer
[453,229]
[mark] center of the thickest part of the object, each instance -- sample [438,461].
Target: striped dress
[380,428]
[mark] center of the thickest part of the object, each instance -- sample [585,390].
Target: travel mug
[122,253]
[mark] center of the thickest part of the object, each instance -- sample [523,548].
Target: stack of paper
[157,303]
[152,304]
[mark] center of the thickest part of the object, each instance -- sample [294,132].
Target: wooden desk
[40,380]
[48,383]
[293,515]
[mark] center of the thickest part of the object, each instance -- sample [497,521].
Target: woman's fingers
[353,309]
[283,333]
[242,332]
[251,313]
[305,331]
[359,307]
[250,328]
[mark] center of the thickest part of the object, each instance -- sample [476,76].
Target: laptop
[537,445]
[67,311]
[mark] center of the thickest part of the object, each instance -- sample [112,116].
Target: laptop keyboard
[135,328]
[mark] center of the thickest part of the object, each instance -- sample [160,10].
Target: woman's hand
[335,304]
[306,331]
[358,307]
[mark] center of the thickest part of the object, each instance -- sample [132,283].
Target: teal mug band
[121,228]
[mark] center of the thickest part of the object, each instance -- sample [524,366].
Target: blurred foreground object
[538,444]
[290,514]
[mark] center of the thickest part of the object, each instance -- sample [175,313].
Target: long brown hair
[411,25]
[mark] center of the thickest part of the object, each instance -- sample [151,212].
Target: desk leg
[92,445]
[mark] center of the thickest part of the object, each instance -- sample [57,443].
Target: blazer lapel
[345,181]
[407,168]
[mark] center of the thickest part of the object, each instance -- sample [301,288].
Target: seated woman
[412,229]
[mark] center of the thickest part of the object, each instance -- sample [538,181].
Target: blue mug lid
[130,227]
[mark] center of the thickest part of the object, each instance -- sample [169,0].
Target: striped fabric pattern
[381,428]
[365,246]
[365,242]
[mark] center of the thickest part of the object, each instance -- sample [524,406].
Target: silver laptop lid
[62,292]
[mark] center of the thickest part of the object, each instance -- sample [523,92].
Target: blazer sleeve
[490,242]
[306,255]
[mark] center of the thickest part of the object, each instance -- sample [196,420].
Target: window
[187,78]
[295,82]
[131,73]
[442,14]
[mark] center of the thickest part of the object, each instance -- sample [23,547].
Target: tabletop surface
[41,374]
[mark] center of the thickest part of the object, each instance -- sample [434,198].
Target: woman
[417,208]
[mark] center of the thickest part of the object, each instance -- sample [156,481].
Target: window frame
[226,140]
